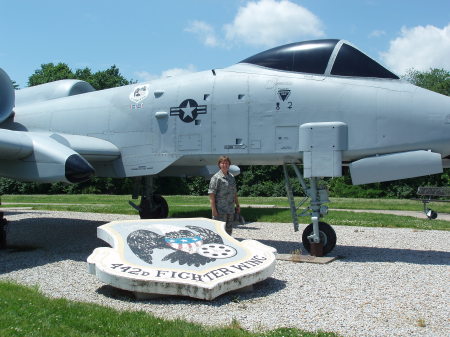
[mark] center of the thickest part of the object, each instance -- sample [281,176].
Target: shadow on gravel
[260,290]
[373,254]
[47,240]
[368,254]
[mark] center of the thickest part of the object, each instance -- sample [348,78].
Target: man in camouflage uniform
[223,195]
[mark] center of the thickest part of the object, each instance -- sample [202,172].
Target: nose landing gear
[318,238]
[151,206]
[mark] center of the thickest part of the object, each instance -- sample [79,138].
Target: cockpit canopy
[322,57]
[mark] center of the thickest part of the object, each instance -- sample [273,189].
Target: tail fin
[7,96]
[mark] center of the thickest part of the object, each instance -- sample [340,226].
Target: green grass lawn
[26,312]
[198,206]
[186,200]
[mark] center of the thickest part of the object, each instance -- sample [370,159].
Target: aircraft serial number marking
[137,106]
[278,107]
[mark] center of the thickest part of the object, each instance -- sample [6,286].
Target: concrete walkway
[417,214]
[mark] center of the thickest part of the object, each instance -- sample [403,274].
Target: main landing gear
[152,206]
[319,238]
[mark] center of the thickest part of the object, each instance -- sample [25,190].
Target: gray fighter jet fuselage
[321,103]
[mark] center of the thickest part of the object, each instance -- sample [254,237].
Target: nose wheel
[327,237]
[153,207]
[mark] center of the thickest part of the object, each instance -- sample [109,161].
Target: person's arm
[236,202]
[212,201]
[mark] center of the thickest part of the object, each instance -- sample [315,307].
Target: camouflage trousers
[229,220]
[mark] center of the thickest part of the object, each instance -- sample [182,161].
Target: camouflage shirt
[224,189]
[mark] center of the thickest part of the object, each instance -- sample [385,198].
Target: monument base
[192,257]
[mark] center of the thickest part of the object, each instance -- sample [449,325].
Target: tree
[437,80]
[108,78]
[103,79]
[49,73]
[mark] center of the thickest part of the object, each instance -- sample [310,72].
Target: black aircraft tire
[327,237]
[159,211]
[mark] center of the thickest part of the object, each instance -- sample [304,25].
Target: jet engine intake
[7,96]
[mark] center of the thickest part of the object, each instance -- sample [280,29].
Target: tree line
[253,181]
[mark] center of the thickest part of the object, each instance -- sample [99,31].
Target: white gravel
[387,282]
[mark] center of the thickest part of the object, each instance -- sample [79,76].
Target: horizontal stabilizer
[395,166]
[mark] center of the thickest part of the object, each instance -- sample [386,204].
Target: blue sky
[151,39]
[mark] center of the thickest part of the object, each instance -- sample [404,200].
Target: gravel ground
[387,282]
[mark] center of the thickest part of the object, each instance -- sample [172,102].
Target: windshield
[313,57]
[351,62]
[304,57]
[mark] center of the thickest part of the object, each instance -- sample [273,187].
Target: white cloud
[262,23]
[178,71]
[420,48]
[270,22]
[377,33]
[205,32]
[146,76]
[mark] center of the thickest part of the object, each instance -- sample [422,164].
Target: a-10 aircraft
[322,104]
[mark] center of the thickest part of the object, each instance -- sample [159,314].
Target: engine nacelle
[52,90]
[7,96]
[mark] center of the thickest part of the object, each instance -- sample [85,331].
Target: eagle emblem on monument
[193,246]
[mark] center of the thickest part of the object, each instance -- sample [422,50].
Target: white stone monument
[192,257]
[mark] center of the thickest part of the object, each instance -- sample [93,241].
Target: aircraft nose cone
[78,169]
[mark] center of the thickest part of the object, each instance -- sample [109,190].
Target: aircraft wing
[47,157]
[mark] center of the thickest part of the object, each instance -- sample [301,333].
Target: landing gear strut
[152,206]
[319,238]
